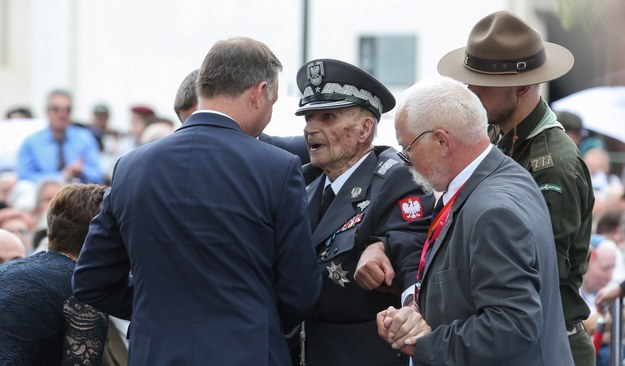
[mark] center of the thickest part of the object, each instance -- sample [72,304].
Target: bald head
[11,247]
[600,267]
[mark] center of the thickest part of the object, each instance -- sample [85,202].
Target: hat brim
[315,106]
[559,61]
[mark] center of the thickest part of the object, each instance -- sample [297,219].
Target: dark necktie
[60,159]
[326,199]
[438,207]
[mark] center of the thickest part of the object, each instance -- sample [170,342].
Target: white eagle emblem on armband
[411,208]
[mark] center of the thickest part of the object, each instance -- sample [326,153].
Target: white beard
[427,186]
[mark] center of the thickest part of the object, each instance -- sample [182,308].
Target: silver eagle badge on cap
[315,73]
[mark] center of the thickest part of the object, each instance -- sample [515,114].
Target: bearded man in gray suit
[487,290]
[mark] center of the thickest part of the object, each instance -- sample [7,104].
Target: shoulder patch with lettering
[542,162]
[550,187]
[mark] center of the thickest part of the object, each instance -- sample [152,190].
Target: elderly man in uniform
[365,198]
[503,63]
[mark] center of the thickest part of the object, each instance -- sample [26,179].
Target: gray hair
[448,104]
[56,92]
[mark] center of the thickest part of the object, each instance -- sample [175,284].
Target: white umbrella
[602,109]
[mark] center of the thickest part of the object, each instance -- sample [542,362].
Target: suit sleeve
[298,279]
[101,278]
[401,217]
[503,285]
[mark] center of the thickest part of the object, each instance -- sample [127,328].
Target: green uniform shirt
[553,159]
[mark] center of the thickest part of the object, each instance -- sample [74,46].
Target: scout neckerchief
[433,232]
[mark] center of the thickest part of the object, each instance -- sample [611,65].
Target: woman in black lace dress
[34,291]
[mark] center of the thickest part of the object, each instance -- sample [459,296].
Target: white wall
[15,64]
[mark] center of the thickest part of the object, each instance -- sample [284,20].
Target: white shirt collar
[341,179]
[211,111]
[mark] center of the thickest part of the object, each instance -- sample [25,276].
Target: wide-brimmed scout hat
[504,50]
[331,84]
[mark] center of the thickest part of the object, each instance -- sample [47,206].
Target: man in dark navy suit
[371,204]
[213,225]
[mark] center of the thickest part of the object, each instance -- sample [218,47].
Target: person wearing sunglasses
[61,151]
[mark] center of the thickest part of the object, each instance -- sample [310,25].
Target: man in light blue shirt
[61,151]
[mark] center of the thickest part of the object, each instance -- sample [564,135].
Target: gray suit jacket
[490,287]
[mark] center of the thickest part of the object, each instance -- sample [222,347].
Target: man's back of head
[239,77]
[186,97]
[233,65]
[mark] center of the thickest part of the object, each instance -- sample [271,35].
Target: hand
[606,294]
[591,322]
[73,170]
[374,268]
[382,322]
[401,328]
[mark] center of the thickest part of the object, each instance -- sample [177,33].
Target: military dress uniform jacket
[554,161]
[490,287]
[379,201]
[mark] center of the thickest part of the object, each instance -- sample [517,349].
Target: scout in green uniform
[503,63]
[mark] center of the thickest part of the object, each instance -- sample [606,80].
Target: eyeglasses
[403,155]
[57,109]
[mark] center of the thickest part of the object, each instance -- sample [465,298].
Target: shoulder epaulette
[384,165]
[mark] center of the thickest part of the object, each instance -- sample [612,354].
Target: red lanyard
[433,232]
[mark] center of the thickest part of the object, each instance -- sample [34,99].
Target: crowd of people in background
[496,236]
[67,151]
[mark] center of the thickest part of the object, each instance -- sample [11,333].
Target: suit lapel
[486,167]
[314,191]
